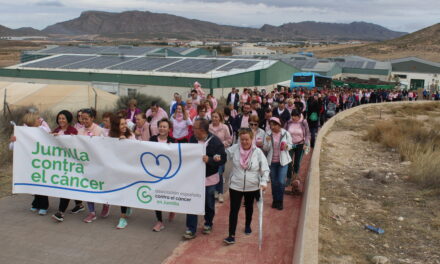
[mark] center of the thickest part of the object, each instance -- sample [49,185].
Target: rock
[386,245]
[400,218]
[323,199]
[405,163]
[338,210]
[379,260]
[370,174]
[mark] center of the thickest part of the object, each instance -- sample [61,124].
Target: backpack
[313,117]
[331,109]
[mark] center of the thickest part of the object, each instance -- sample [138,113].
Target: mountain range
[148,25]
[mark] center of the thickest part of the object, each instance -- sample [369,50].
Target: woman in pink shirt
[92,130]
[156,113]
[277,143]
[244,97]
[142,129]
[181,124]
[300,133]
[219,129]
[78,124]
[119,129]
[213,101]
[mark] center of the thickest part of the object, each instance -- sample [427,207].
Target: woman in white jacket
[250,173]
[277,143]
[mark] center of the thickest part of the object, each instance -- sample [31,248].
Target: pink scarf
[179,117]
[245,156]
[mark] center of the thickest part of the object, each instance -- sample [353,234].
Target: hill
[138,24]
[424,43]
[24,31]
[332,31]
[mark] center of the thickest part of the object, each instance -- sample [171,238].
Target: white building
[416,73]
[249,49]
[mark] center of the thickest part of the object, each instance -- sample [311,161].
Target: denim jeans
[278,175]
[219,185]
[191,220]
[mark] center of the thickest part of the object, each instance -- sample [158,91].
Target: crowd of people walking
[263,134]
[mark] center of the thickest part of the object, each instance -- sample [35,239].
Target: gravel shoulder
[364,183]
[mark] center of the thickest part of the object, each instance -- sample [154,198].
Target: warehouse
[415,73]
[161,76]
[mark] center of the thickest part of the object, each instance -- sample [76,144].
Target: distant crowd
[264,134]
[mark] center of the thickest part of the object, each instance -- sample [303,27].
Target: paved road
[29,238]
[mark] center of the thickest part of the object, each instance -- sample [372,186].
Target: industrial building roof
[141,65]
[407,59]
[119,50]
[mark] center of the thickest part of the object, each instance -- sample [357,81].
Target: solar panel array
[370,65]
[241,64]
[310,64]
[181,65]
[194,66]
[100,62]
[59,61]
[125,50]
[134,51]
[144,64]
[74,50]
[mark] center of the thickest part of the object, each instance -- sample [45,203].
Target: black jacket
[169,140]
[236,100]
[214,147]
[284,117]
[236,125]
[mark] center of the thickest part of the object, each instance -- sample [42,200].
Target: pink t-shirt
[276,147]
[153,123]
[245,121]
[296,131]
[93,130]
[222,132]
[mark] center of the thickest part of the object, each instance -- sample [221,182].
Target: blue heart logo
[162,162]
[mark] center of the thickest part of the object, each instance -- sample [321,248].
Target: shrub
[143,102]
[415,142]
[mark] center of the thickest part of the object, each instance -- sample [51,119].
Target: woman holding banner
[119,129]
[91,129]
[164,126]
[40,202]
[250,173]
[64,120]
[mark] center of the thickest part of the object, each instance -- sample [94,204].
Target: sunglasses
[253,124]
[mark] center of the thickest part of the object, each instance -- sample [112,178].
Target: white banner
[149,175]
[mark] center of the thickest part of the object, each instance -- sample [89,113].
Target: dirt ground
[5,180]
[10,51]
[363,183]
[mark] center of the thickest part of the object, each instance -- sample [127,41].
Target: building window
[131,92]
[402,76]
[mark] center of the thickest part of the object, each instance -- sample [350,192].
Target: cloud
[50,3]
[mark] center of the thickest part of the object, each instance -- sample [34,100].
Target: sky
[398,15]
